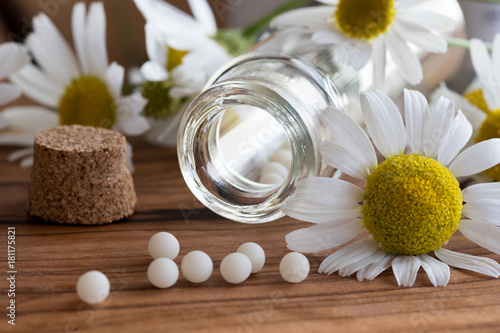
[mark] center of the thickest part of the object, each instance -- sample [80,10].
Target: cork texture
[80,176]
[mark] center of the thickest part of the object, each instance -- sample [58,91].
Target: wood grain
[51,257]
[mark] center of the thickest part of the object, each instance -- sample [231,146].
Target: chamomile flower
[366,29]
[483,102]
[84,89]
[182,56]
[412,203]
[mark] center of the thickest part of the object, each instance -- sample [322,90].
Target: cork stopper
[80,176]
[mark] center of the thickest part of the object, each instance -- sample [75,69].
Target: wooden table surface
[50,258]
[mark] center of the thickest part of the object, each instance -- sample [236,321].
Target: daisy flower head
[181,49]
[411,204]
[367,29]
[84,89]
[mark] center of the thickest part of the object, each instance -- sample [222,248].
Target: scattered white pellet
[255,253]
[271,178]
[275,167]
[92,287]
[294,267]
[163,245]
[282,156]
[197,266]
[163,273]
[235,267]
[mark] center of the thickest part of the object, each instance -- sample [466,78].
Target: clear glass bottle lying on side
[254,131]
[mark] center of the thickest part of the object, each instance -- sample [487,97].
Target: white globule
[235,267]
[163,273]
[197,266]
[283,156]
[93,287]
[163,245]
[294,267]
[255,253]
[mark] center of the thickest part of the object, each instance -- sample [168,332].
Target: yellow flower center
[364,19]
[174,58]
[476,97]
[412,204]
[160,103]
[87,101]
[489,129]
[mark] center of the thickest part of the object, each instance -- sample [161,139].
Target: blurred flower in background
[481,101]
[183,53]
[85,89]
[365,29]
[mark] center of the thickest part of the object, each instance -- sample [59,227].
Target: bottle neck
[254,132]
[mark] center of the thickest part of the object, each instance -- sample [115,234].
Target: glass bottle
[254,131]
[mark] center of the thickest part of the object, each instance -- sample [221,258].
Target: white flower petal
[317,18]
[329,2]
[25,122]
[114,79]
[354,53]
[204,16]
[351,136]
[404,4]
[438,126]
[481,192]
[324,236]
[416,115]
[129,121]
[485,210]
[405,269]
[348,255]
[473,114]
[327,37]
[437,271]
[481,265]
[479,157]
[156,45]
[336,155]
[26,162]
[9,93]
[426,19]
[484,234]
[483,66]
[495,57]
[379,62]
[420,37]
[14,56]
[458,136]
[362,263]
[328,191]
[78,29]
[51,51]
[317,212]
[383,122]
[406,60]
[95,39]
[38,86]
[374,269]
[152,71]
[20,154]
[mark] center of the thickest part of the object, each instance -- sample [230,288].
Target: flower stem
[260,24]
[463,43]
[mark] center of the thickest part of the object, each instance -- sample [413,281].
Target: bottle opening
[254,146]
